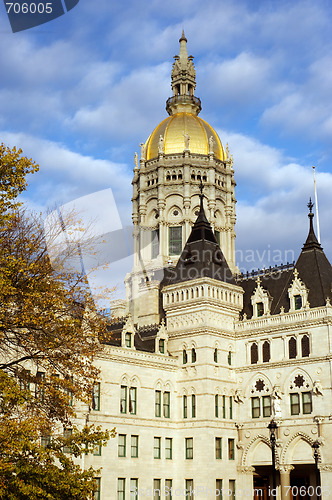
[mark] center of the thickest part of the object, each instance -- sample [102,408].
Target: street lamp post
[316,457]
[272,428]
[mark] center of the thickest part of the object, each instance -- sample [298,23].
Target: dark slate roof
[201,256]
[314,270]
[144,338]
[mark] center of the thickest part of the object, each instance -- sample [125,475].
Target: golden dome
[175,127]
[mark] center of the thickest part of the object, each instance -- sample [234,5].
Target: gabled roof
[314,270]
[201,256]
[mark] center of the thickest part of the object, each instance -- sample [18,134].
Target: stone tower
[181,152]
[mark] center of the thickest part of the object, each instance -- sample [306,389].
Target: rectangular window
[189,489]
[193,406]
[123,399]
[66,434]
[156,489]
[295,404]
[39,386]
[128,339]
[168,489]
[175,240]
[224,407]
[218,489]
[162,346]
[266,406]
[134,446]
[157,447]
[157,403]
[45,441]
[297,302]
[69,380]
[306,403]
[132,400]
[121,488]
[168,448]
[217,235]
[232,489]
[230,406]
[154,243]
[255,408]
[185,406]
[122,445]
[97,488]
[216,406]
[260,309]
[167,404]
[218,448]
[97,450]
[231,449]
[189,448]
[133,488]
[96,396]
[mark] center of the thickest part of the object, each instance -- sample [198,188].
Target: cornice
[282,364]
[284,321]
[138,358]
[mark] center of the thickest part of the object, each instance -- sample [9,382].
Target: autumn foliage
[49,331]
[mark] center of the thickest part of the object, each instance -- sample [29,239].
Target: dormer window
[297,293]
[297,302]
[260,309]
[261,301]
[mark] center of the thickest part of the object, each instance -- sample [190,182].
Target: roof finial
[201,187]
[183,37]
[311,241]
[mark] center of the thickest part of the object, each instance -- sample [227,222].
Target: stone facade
[196,368]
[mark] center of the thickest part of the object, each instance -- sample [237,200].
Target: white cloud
[65,175]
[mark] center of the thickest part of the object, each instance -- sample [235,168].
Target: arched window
[266,352]
[254,353]
[305,347]
[215,355]
[292,348]
[184,356]
[193,355]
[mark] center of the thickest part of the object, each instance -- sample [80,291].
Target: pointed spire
[183,83]
[311,241]
[201,256]
[183,55]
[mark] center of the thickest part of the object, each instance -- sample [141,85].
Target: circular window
[175,212]
[197,212]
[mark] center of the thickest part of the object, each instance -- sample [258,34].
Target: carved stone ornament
[285,469]
[246,469]
[238,396]
[317,388]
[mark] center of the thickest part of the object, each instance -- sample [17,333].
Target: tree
[49,337]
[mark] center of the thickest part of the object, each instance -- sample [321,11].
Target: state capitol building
[218,384]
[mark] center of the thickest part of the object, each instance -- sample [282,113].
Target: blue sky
[80,93]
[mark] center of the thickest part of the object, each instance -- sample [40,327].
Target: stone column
[326,480]
[246,481]
[285,470]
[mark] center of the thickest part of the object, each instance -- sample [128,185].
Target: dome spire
[183,54]
[183,83]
